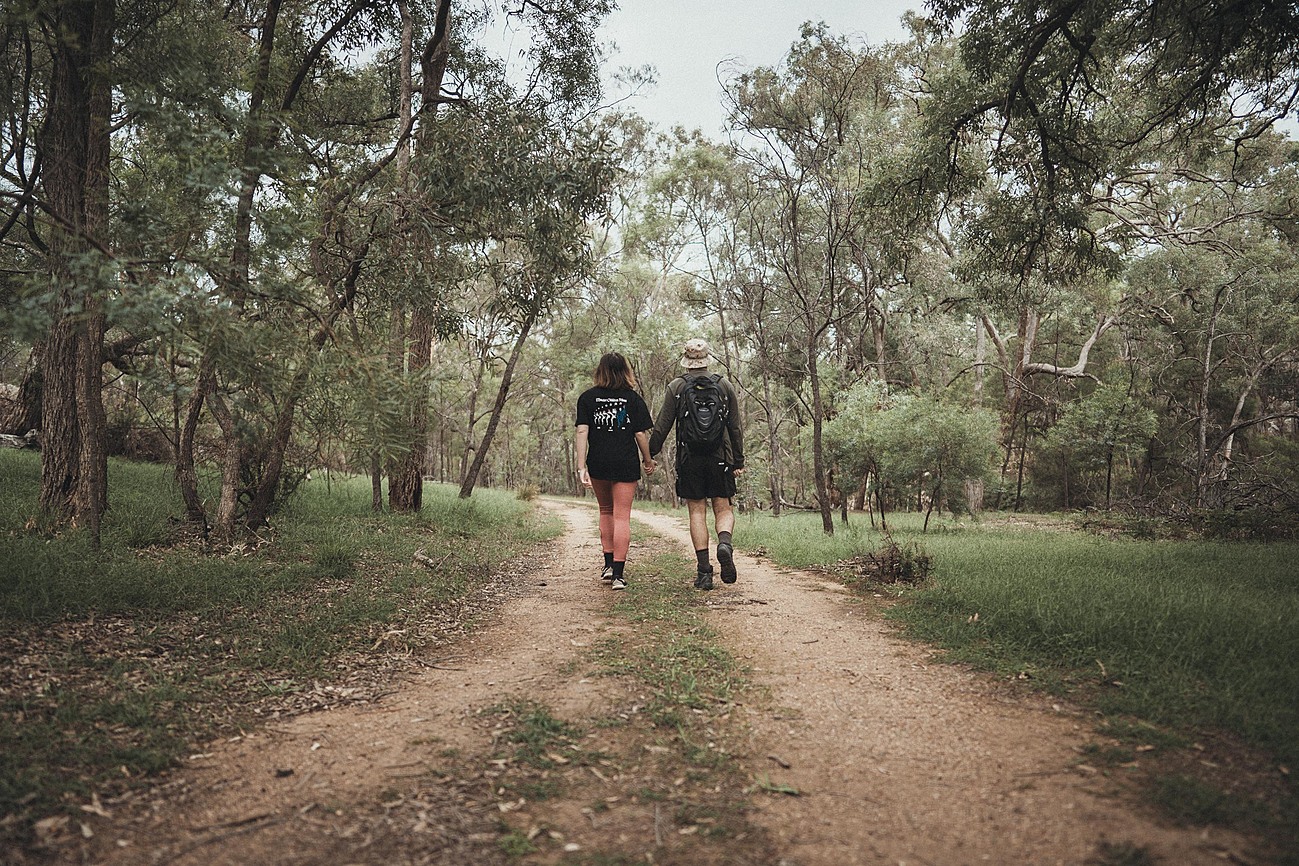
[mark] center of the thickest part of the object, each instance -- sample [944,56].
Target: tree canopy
[1033,256]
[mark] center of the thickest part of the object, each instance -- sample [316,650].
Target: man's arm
[733,427]
[663,423]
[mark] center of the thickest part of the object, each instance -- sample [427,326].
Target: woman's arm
[580,436]
[642,442]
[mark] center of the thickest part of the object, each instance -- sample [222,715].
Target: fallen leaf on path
[48,828]
[95,807]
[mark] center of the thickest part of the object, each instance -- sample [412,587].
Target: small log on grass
[31,439]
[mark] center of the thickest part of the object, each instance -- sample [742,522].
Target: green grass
[683,661]
[537,736]
[1185,634]
[127,657]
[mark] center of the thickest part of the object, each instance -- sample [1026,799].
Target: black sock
[723,538]
[617,569]
[702,556]
[608,560]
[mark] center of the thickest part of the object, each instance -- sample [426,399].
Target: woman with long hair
[612,446]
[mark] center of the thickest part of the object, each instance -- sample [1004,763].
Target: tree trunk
[773,448]
[406,478]
[471,477]
[255,140]
[1109,475]
[267,487]
[1203,458]
[24,412]
[186,475]
[818,451]
[231,465]
[264,496]
[376,483]
[933,500]
[879,500]
[74,145]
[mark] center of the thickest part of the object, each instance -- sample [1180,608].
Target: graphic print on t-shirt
[610,414]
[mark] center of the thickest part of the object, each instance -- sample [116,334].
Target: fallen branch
[421,558]
[29,440]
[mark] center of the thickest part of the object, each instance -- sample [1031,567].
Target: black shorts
[704,477]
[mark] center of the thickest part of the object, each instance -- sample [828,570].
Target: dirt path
[900,761]
[897,761]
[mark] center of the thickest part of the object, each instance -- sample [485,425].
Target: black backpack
[701,414]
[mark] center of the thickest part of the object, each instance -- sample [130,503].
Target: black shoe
[619,583]
[704,579]
[607,573]
[727,560]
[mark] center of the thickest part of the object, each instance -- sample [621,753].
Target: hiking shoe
[704,579]
[606,573]
[727,560]
[619,583]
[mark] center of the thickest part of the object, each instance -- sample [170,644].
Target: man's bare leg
[698,509]
[724,517]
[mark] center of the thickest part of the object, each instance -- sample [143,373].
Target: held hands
[648,464]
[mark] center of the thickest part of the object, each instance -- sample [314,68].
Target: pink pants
[615,515]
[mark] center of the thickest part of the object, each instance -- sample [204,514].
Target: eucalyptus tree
[548,178]
[821,139]
[476,169]
[1047,70]
[912,442]
[1113,423]
[59,61]
[1223,352]
[1082,111]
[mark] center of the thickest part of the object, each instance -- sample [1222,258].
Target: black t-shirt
[613,418]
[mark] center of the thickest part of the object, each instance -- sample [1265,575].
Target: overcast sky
[686,40]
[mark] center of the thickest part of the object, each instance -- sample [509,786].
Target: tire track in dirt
[900,761]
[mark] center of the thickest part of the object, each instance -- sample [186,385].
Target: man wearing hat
[706,467]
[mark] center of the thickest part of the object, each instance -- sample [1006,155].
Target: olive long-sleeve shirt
[732,451]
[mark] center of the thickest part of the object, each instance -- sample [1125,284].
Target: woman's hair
[613,372]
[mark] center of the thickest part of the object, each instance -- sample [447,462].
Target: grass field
[119,660]
[1186,634]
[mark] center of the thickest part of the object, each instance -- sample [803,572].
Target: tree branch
[1078,370]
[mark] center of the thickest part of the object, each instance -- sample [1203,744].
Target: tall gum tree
[819,138]
[73,150]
